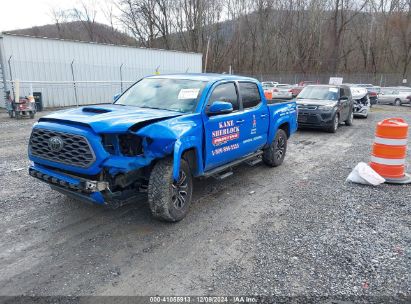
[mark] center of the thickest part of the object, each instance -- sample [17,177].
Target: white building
[70,72]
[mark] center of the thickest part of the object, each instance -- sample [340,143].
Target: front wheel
[274,154]
[397,102]
[170,200]
[334,124]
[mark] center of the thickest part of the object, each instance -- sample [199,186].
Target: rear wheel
[17,114]
[170,200]
[11,113]
[274,155]
[397,102]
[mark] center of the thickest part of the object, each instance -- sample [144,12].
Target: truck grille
[65,148]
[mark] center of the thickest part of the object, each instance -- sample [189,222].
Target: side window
[347,92]
[341,92]
[250,94]
[225,92]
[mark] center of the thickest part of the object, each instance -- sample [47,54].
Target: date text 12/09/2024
[203,299]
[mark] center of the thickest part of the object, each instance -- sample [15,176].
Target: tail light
[373,94]
[409,97]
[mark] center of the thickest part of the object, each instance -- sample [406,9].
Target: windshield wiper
[155,108]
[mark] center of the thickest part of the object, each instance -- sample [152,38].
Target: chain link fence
[378,79]
[71,93]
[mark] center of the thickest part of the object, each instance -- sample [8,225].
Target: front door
[224,132]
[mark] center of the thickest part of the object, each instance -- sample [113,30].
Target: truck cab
[156,137]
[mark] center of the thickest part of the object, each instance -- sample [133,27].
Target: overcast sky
[17,14]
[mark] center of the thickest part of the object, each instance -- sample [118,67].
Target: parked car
[407,100]
[158,135]
[295,90]
[373,92]
[282,91]
[361,101]
[269,84]
[305,83]
[394,96]
[277,91]
[325,107]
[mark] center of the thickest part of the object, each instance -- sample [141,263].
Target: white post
[16,90]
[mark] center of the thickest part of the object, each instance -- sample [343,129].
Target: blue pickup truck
[156,137]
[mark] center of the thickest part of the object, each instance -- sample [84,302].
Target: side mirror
[220,107]
[115,97]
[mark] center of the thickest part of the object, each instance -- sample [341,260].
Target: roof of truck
[203,76]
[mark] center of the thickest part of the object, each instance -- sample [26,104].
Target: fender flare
[273,130]
[181,145]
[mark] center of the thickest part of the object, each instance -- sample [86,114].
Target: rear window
[250,94]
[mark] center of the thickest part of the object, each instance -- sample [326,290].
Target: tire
[397,102]
[274,155]
[335,123]
[169,200]
[17,114]
[31,115]
[11,114]
[350,119]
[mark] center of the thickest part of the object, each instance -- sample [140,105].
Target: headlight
[326,108]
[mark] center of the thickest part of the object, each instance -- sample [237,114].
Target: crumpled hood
[316,102]
[110,118]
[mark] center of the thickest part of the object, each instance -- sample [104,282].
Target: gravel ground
[296,230]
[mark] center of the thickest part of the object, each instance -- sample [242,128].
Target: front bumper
[361,111]
[314,118]
[90,191]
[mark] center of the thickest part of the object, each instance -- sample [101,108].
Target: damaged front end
[110,169]
[104,169]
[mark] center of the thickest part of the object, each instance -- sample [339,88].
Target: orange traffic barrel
[268,95]
[389,150]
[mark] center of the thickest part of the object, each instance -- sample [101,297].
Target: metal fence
[379,79]
[69,93]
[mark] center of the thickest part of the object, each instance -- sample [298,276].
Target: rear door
[224,132]
[344,105]
[347,92]
[256,117]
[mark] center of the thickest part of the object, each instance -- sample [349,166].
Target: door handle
[240,121]
[264,115]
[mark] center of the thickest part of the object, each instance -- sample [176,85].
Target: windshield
[178,95]
[319,93]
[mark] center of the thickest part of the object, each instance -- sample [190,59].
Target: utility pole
[206,56]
